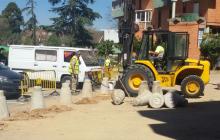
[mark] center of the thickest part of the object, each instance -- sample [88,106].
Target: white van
[24,57]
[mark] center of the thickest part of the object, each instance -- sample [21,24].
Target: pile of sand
[86,101]
[38,113]
[2,126]
[93,100]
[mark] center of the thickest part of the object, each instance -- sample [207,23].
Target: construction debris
[3,106]
[173,99]
[38,113]
[86,101]
[144,95]
[157,88]
[156,100]
[118,96]
[2,126]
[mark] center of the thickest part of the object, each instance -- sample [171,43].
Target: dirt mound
[102,97]
[86,101]
[2,126]
[38,113]
[93,100]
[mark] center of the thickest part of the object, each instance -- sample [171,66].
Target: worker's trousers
[74,82]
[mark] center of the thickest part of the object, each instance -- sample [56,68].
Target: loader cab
[166,50]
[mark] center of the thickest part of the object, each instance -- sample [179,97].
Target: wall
[144,4]
[192,28]
[213,12]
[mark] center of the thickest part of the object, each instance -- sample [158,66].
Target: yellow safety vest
[107,62]
[76,69]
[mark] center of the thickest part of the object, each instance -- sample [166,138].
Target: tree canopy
[73,17]
[210,47]
[31,23]
[14,15]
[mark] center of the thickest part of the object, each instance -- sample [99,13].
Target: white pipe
[174,8]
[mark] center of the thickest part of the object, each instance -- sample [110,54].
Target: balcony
[117,8]
[189,17]
[143,18]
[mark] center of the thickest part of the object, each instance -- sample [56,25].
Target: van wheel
[66,78]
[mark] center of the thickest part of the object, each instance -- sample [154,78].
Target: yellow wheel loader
[169,64]
[173,68]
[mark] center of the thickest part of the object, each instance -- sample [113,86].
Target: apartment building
[193,16]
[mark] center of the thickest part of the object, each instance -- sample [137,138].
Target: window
[68,55]
[180,48]
[90,58]
[212,4]
[143,15]
[46,55]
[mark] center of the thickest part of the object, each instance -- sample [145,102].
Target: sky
[103,7]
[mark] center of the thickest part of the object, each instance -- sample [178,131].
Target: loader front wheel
[192,86]
[133,77]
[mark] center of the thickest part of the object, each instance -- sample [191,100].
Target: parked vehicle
[23,57]
[9,82]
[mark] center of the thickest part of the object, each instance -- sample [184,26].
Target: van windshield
[90,57]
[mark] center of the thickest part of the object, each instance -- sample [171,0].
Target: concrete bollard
[87,89]
[3,106]
[157,88]
[37,99]
[118,96]
[156,100]
[105,86]
[144,88]
[65,94]
[173,99]
[142,100]
[144,95]
[111,85]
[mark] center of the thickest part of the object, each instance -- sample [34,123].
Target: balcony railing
[143,18]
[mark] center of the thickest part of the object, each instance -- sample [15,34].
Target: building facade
[193,16]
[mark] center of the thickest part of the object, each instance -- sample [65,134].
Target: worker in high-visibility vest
[74,70]
[107,65]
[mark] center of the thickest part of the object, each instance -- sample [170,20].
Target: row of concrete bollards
[156,98]
[37,99]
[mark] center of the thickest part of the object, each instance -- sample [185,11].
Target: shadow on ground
[197,121]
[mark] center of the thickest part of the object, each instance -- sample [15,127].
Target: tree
[5,31]
[31,24]
[105,48]
[54,40]
[74,16]
[210,48]
[14,15]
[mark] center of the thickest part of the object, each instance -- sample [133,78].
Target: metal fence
[45,79]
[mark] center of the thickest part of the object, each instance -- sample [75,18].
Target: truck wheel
[192,86]
[134,75]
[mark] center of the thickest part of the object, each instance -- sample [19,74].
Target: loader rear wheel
[192,86]
[133,77]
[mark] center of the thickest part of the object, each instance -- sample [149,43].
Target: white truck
[24,57]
